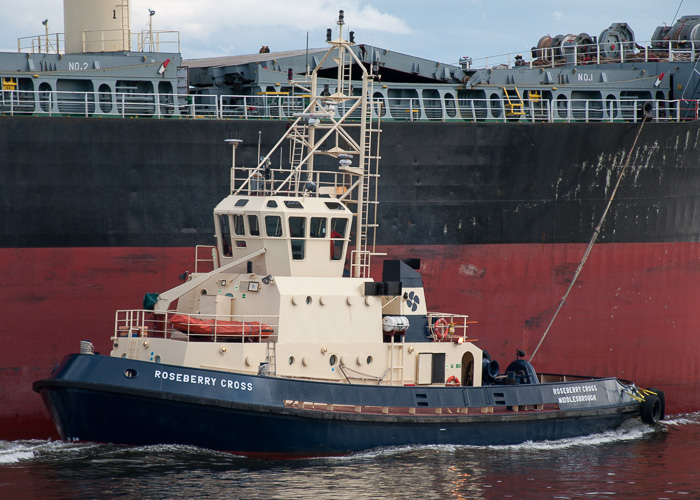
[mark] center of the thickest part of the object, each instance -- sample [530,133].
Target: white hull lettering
[202,380]
[235,384]
[576,389]
[577,399]
[76,66]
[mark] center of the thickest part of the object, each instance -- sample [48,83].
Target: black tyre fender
[650,409]
[662,398]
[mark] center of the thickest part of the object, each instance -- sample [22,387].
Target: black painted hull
[255,422]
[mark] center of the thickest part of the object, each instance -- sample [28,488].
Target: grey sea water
[636,461]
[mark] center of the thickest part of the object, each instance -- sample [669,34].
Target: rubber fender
[650,409]
[662,398]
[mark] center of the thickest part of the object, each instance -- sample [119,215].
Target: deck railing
[195,328]
[585,54]
[100,40]
[445,327]
[240,107]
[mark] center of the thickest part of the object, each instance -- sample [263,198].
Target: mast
[338,125]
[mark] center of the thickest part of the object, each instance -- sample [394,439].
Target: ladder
[396,356]
[513,107]
[126,32]
[9,84]
[368,224]
[539,111]
[366,204]
[344,61]
[272,358]
[299,138]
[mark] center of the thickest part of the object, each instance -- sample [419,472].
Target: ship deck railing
[449,105]
[586,54]
[447,327]
[151,41]
[141,323]
[285,182]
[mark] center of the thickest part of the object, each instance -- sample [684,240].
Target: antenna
[307,54]
[235,143]
[45,22]
[152,13]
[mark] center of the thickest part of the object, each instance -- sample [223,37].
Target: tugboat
[280,344]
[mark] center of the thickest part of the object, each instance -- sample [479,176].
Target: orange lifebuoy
[440,329]
[452,380]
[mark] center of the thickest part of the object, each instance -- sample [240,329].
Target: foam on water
[625,433]
[686,419]
[21,451]
[631,430]
[13,454]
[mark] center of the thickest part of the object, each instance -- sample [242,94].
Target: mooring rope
[596,232]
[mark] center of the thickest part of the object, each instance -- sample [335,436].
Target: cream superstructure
[289,293]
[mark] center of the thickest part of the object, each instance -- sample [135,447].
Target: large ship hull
[92,220]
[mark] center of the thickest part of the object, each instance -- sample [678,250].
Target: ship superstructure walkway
[533,108]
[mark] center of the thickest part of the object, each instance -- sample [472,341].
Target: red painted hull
[54,297]
[633,313]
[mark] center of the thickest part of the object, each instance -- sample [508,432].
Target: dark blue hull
[86,406]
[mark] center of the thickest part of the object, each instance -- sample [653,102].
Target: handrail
[584,54]
[242,107]
[51,43]
[145,41]
[448,327]
[140,323]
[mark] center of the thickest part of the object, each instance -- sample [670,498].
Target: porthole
[333,359]
[369,360]
[123,355]
[291,360]
[157,359]
[308,300]
[130,373]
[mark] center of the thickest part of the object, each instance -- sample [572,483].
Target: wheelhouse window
[238,225]
[273,226]
[317,228]
[334,205]
[253,225]
[225,243]
[297,232]
[338,233]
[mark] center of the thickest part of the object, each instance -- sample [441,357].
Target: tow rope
[596,232]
